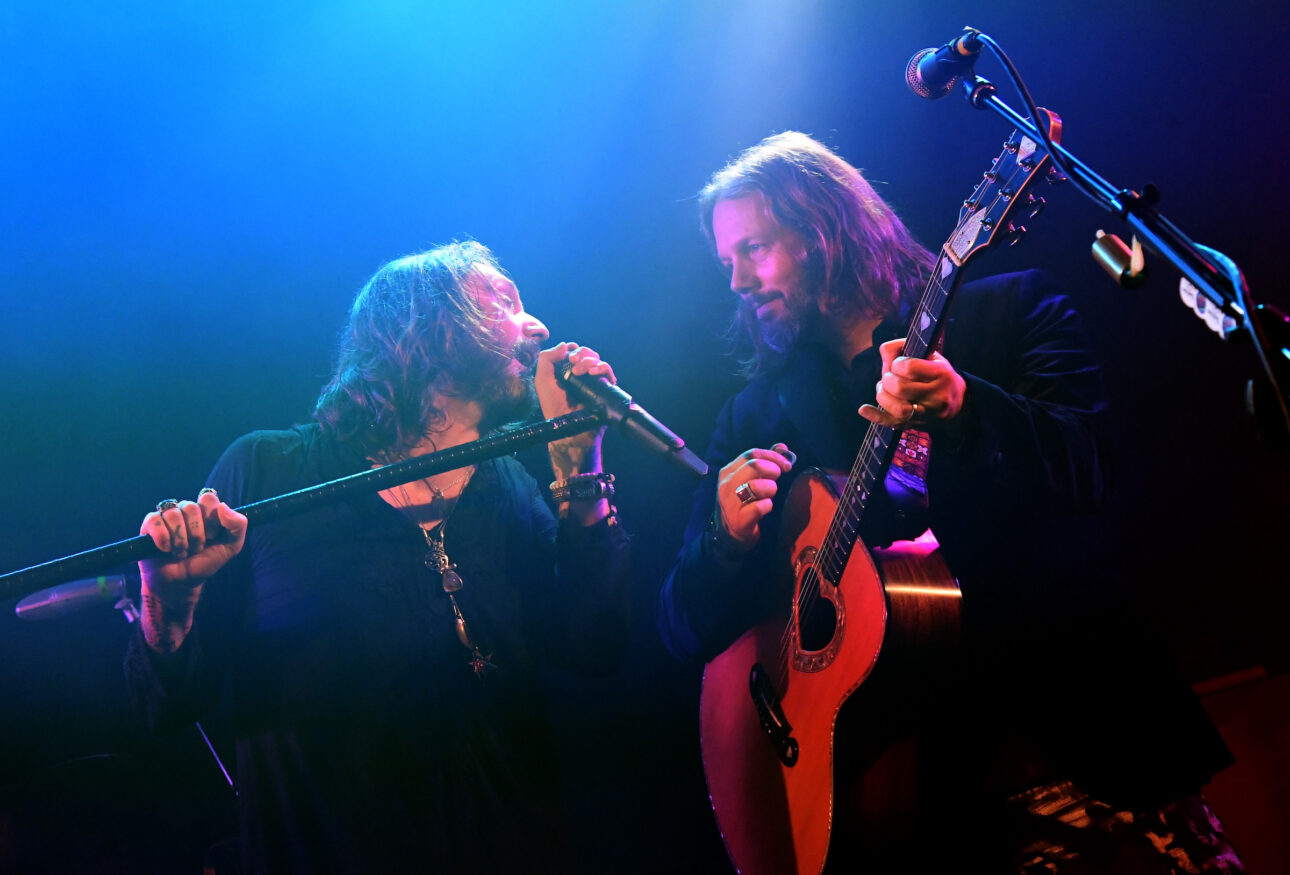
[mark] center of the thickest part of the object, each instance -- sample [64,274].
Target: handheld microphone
[933,73]
[68,598]
[628,416]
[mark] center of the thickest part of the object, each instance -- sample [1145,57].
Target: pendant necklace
[436,559]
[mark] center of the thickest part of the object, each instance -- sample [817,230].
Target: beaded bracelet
[583,487]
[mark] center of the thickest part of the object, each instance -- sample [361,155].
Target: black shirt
[366,741]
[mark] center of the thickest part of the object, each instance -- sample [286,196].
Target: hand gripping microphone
[933,73]
[628,416]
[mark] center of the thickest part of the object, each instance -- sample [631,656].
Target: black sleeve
[582,619]
[710,596]
[172,691]
[1015,484]
[1034,426]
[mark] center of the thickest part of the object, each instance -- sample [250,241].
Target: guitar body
[770,701]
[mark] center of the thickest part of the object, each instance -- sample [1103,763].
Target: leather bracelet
[583,487]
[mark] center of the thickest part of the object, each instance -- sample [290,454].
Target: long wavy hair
[414,331]
[860,258]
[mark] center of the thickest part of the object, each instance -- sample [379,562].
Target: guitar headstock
[985,218]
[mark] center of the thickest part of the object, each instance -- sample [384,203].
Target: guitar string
[830,545]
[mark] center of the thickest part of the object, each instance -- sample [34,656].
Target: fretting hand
[915,391]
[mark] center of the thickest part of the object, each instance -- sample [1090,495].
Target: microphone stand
[99,559]
[1222,284]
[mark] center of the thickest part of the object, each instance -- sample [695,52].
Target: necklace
[439,493]
[437,560]
[433,509]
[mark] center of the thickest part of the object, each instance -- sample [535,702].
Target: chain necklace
[439,493]
[437,560]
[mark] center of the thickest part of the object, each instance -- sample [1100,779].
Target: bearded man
[1057,739]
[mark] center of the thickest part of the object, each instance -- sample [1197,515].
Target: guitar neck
[874,459]
[1002,189]
[926,326]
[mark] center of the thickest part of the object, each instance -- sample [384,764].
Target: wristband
[583,487]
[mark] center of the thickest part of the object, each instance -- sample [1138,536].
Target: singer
[1054,738]
[384,655]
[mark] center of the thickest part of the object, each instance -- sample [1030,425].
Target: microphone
[68,598]
[628,416]
[933,73]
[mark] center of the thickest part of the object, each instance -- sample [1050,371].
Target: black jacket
[1056,655]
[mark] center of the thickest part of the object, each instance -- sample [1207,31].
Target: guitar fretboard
[880,442]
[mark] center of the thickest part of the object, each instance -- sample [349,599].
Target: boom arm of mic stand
[90,562]
[1151,227]
[1224,288]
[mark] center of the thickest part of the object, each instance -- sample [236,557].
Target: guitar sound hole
[817,623]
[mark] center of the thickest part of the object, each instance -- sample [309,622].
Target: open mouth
[526,353]
[762,306]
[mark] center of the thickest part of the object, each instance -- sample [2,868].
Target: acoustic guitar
[770,701]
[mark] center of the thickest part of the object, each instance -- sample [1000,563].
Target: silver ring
[205,489]
[745,494]
[166,504]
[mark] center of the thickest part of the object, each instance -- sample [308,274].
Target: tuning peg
[1055,176]
[1015,234]
[1036,205]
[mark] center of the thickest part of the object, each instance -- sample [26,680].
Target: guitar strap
[910,462]
[908,471]
[915,448]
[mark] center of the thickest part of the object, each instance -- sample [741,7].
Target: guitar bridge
[771,715]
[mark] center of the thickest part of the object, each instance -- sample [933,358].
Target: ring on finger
[166,504]
[744,492]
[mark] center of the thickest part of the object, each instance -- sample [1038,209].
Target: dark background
[193,193]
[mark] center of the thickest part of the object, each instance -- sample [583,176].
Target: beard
[506,396]
[775,338]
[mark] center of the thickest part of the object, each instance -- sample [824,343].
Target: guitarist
[1061,742]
